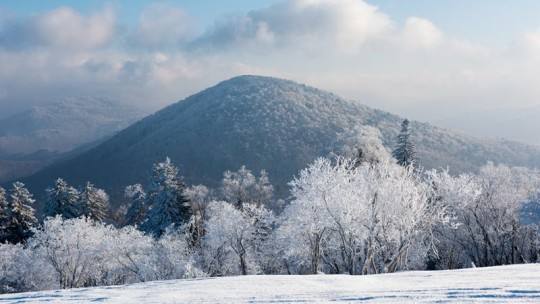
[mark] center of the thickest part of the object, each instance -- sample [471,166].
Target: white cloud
[421,33]
[62,28]
[162,26]
[347,46]
[338,23]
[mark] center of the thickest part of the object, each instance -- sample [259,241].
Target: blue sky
[489,21]
[128,11]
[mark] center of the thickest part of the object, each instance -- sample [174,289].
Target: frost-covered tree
[199,197]
[305,223]
[169,205]
[364,144]
[405,151]
[456,194]
[263,222]
[77,249]
[4,212]
[486,209]
[82,252]
[243,187]
[174,257]
[23,269]
[227,244]
[137,209]
[93,202]
[143,258]
[62,199]
[368,219]
[20,215]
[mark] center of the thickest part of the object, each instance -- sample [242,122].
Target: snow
[502,284]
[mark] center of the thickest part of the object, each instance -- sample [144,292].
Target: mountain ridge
[41,135]
[263,123]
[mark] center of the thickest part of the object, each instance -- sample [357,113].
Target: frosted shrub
[22,269]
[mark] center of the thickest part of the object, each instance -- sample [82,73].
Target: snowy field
[506,284]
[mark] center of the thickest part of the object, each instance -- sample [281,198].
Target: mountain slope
[32,139]
[264,123]
[64,125]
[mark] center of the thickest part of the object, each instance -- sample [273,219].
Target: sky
[468,65]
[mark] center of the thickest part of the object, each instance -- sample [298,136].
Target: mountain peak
[263,123]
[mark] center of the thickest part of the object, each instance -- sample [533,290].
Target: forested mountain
[35,138]
[263,123]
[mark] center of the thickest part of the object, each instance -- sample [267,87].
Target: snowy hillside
[503,284]
[64,125]
[263,123]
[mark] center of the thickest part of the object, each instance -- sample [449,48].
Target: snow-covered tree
[243,187]
[405,151]
[199,197]
[456,194]
[364,144]
[93,202]
[20,215]
[4,215]
[142,258]
[169,205]
[227,243]
[23,269]
[262,221]
[368,219]
[137,209]
[174,256]
[305,222]
[263,191]
[486,210]
[493,221]
[62,199]
[75,248]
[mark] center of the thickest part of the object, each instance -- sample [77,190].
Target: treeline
[359,211]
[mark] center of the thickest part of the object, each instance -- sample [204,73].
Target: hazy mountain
[64,125]
[521,124]
[35,138]
[264,123]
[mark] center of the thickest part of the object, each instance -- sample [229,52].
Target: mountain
[263,123]
[520,124]
[37,137]
[64,125]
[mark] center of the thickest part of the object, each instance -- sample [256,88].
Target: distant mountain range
[263,123]
[34,138]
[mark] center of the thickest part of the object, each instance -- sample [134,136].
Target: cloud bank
[347,46]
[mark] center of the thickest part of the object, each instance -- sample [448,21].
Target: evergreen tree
[168,204]
[3,215]
[405,153]
[137,210]
[20,215]
[62,199]
[94,202]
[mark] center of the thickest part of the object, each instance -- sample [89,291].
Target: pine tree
[20,216]
[405,153]
[137,210]
[62,199]
[168,204]
[94,202]
[3,215]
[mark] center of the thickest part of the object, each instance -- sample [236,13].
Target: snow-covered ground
[506,284]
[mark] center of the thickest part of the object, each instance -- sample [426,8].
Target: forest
[360,210]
